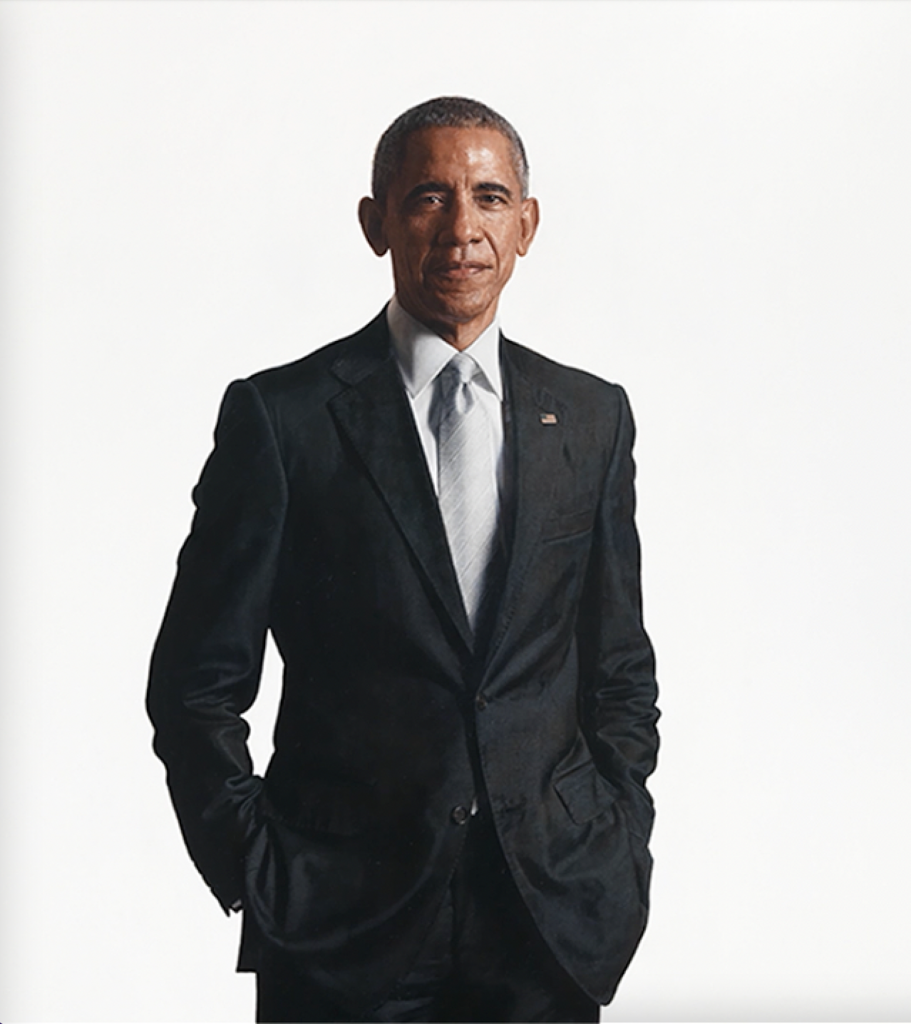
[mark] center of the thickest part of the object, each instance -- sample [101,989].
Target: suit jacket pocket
[584,792]
[565,525]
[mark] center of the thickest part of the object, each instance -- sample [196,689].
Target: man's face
[454,220]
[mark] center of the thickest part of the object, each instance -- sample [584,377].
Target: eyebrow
[493,186]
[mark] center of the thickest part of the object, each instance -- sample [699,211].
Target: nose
[462,226]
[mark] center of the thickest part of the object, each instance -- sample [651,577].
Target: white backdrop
[726,230]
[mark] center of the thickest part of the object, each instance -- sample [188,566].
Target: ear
[370,214]
[531,215]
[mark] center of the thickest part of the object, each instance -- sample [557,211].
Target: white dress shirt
[421,355]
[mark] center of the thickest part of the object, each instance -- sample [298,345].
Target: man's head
[450,202]
[443,112]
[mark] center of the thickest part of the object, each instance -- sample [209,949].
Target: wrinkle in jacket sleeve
[616,656]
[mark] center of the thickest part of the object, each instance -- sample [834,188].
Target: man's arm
[207,661]
[617,660]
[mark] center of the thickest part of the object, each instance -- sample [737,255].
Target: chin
[462,310]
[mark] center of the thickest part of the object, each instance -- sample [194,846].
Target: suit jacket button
[480,702]
[459,815]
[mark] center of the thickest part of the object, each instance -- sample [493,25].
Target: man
[436,525]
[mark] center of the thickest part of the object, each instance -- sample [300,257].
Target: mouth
[458,270]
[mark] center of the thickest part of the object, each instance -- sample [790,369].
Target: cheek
[506,257]
[506,244]
[405,263]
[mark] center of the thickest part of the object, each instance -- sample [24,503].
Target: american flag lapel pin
[548,418]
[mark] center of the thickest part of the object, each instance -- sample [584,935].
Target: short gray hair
[442,112]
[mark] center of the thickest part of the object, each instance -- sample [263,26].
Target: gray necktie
[467,479]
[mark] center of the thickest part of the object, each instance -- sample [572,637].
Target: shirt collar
[421,354]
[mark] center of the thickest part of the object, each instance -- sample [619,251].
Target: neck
[460,336]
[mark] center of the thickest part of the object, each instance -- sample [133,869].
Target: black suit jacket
[316,519]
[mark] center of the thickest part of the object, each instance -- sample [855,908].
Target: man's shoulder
[568,383]
[335,366]
[330,367]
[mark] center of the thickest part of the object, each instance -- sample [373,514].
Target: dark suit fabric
[316,519]
[483,960]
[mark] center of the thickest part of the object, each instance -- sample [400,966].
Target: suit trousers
[483,960]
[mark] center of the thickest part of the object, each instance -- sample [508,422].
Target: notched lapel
[537,439]
[373,413]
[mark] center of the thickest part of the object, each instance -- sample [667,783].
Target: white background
[726,196]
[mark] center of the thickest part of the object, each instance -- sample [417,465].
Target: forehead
[451,155]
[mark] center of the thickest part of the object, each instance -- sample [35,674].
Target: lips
[458,271]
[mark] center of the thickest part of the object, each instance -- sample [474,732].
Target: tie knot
[461,367]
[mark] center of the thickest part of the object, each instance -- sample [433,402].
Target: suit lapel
[373,413]
[536,441]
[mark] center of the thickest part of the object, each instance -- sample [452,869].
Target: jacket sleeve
[207,660]
[617,662]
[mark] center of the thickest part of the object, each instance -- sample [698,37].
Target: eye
[491,199]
